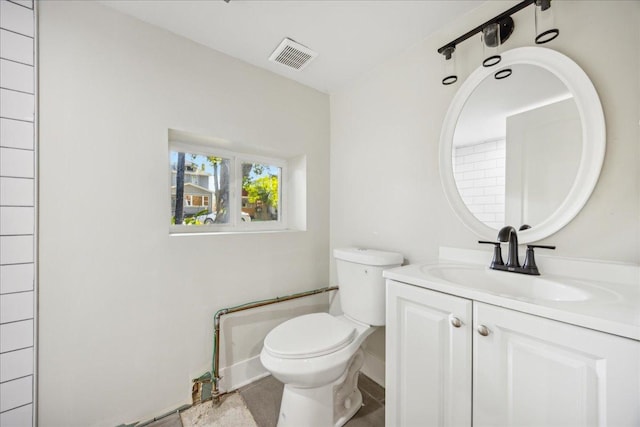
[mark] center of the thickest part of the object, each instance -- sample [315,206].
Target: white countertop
[618,313]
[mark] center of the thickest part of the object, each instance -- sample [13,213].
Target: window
[191,200]
[260,191]
[218,190]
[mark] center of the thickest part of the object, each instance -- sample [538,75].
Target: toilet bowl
[318,356]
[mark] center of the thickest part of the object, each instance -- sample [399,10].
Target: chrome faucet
[509,234]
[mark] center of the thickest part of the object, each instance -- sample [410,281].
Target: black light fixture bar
[478,29]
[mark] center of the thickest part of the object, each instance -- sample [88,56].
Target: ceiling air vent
[292,55]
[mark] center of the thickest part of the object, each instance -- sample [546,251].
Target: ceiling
[350,37]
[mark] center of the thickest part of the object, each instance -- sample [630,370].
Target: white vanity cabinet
[526,370]
[428,358]
[534,371]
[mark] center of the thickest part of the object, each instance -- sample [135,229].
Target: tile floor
[263,401]
[231,412]
[258,404]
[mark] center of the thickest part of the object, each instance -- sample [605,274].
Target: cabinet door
[530,371]
[428,359]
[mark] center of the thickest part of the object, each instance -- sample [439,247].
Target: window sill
[234,232]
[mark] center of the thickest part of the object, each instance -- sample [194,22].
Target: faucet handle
[541,246]
[497,253]
[530,260]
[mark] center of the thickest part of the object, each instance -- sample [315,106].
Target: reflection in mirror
[517,147]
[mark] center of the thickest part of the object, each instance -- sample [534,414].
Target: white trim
[593,143]
[242,373]
[251,369]
[374,368]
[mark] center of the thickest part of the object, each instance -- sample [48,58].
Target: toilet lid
[310,335]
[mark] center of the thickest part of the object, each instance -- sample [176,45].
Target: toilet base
[356,404]
[331,405]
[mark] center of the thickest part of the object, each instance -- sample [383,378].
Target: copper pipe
[215,392]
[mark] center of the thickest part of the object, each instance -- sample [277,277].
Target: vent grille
[292,55]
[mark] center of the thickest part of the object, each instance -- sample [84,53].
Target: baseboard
[241,374]
[250,370]
[374,368]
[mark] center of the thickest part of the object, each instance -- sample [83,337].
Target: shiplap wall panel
[16,134]
[16,278]
[16,47]
[17,213]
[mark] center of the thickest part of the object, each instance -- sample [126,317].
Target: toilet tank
[362,290]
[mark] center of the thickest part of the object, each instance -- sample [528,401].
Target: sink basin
[518,286]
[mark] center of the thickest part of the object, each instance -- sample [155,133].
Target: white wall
[385,129]
[125,309]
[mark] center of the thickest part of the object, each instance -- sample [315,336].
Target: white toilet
[317,356]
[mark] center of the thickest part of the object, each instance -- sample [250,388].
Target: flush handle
[456,322]
[483,330]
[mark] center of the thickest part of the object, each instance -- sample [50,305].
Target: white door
[530,371]
[428,358]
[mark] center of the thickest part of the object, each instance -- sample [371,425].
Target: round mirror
[525,149]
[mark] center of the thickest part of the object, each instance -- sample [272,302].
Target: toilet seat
[311,335]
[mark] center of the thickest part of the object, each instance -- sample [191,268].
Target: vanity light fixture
[497,30]
[545,28]
[503,74]
[449,66]
[492,37]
